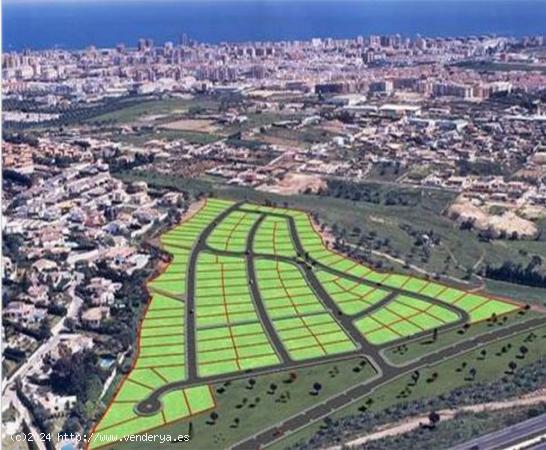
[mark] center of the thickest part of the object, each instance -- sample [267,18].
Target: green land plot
[284,290]
[273,237]
[450,374]
[121,420]
[222,294]
[401,318]
[230,337]
[243,409]
[161,339]
[304,326]
[481,307]
[234,348]
[185,234]
[313,336]
[351,297]
[232,233]
[406,352]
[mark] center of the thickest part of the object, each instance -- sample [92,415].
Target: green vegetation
[526,294]
[249,405]
[402,317]
[490,373]
[415,349]
[230,337]
[150,107]
[143,136]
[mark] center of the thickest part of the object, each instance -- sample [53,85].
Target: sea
[76,24]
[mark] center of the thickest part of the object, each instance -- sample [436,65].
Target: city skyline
[27,26]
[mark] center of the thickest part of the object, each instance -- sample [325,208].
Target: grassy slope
[492,367]
[401,354]
[223,432]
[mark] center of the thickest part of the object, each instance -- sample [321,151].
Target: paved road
[257,297]
[509,436]
[386,372]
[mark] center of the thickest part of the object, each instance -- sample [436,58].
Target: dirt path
[413,423]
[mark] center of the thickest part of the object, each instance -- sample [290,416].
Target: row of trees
[370,193]
[511,272]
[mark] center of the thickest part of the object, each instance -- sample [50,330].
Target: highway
[510,437]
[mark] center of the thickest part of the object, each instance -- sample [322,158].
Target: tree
[79,375]
[44,331]
[512,366]
[433,418]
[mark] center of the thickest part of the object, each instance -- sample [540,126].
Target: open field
[141,137]
[154,108]
[202,125]
[251,290]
